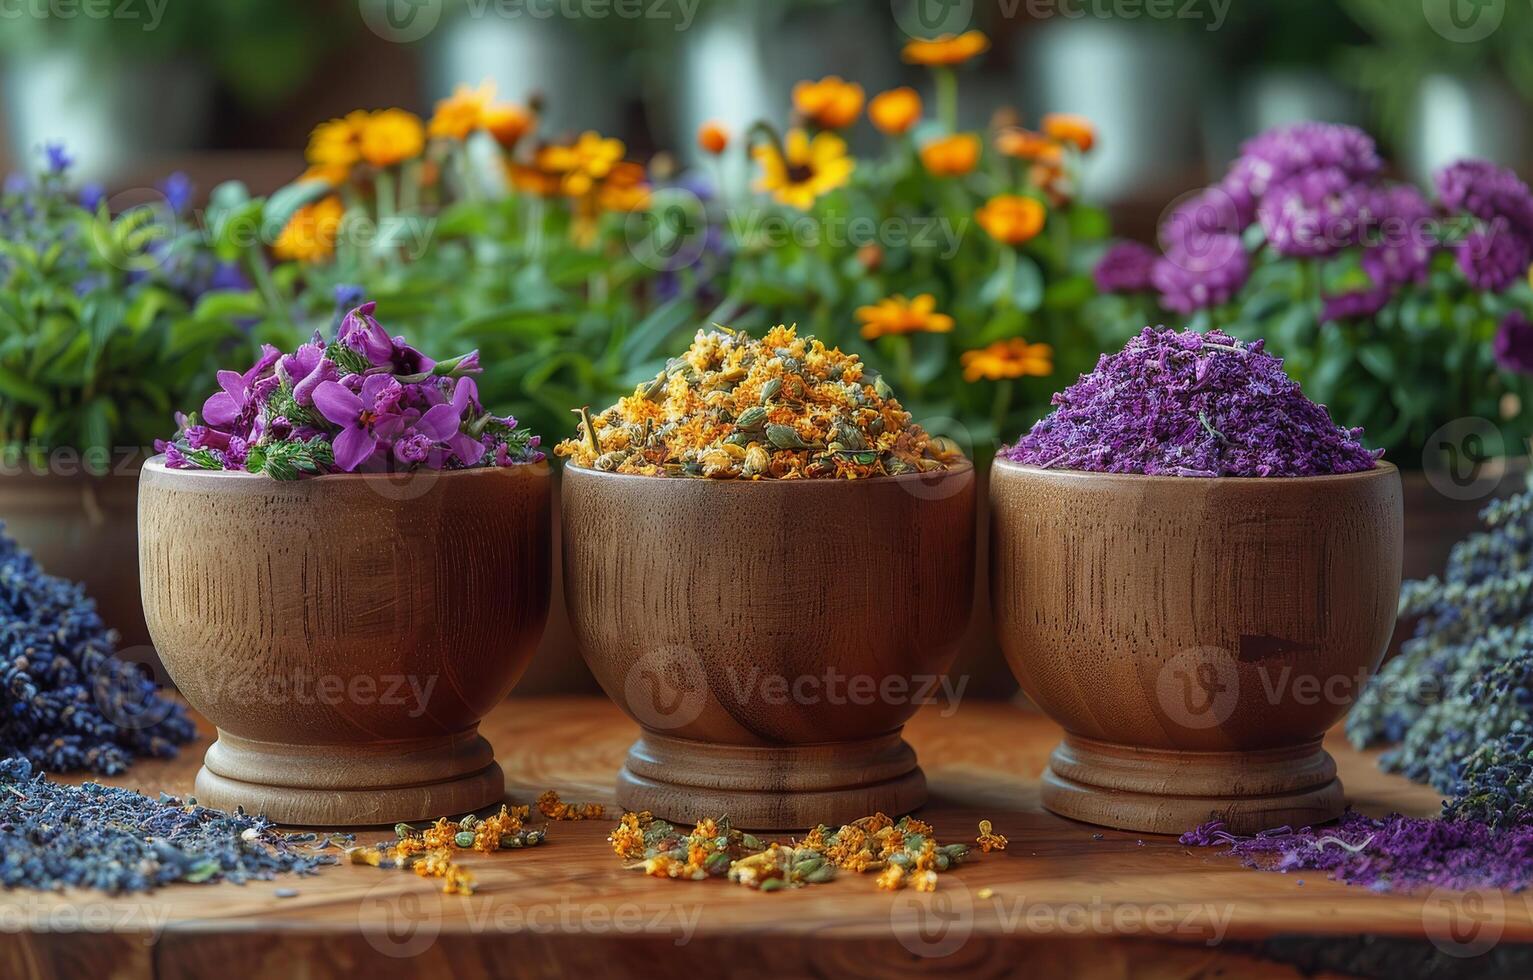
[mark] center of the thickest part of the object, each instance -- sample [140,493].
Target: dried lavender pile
[66,701]
[1190,404]
[94,836]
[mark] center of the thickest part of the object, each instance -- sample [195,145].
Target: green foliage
[288,460]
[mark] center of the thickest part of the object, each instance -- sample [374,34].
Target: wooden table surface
[1059,900]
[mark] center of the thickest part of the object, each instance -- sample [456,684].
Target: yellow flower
[508,123]
[337,142]
[1006,359]
[392,136]
[811,167]
[713,138]
[1067,128]
[951,156]
[895,111]
[947,50]
[1012,219]
[462,112]
[898,315]
[581,163]
[830,103]
[624,189]
[310,234]
[330,173]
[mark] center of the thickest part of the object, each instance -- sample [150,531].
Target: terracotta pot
[346,633]
[770,638]
[1194,637]
[82,528]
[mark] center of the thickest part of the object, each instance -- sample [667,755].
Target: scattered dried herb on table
[1190,404]
[904,852]
[92,836]
[430,851]
[66,701]
[782,407]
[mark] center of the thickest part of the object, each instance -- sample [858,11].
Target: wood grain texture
[1067,900]
[346,633]
[1194,637]
[772,636]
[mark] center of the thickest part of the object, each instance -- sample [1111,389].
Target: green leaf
[669,317]
[229,304]
[13,385]
[285,202]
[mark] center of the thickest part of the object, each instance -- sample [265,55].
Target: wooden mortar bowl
[1194,637]
[346,633]
[771,638]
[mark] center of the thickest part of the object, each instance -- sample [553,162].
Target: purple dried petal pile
[1393,854]
[1190,404]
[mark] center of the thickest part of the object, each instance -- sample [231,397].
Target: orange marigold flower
[508,123]
[897,315]
[462,112]
[713,138]
[1068,128]
[310,234]
[1011,218]
[392,136]
[1006,359]
[581,163]
[1024,144]
[625,188]
[951,156]
[337,142]
[830,103]
[894,112]
[947,50]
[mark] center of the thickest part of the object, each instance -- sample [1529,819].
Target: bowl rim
[1381,469]
[963,465]
[156,464]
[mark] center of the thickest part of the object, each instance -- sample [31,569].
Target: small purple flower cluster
[367,402]
[1314,189]
[1190,404]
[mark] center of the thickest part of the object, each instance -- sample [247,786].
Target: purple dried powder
[1190,404]
[1392,854]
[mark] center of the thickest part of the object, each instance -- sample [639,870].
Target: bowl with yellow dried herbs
[768,566]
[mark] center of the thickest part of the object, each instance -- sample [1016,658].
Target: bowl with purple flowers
[1194,571]
[345,562]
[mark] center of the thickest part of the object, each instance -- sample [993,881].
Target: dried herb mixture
[782,407]
[904,852]
[1189,404]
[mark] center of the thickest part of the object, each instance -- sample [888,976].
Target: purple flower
[363,334]
[348,296]
[1514,343]
[465,400]
[1201,228]
[178,190]
[1347,306]
[1488,192]
[324,370]
[236,403]
[364,418]
[1313,213]
[1190,283]
[91,195]
[1286,151]
[1124,268]
[58,158]
[1493,258]
[407,361]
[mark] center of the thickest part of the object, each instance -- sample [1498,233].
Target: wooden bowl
[771,638]
[346,633]
[1194,637]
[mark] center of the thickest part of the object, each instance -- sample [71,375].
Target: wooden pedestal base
[1169,792]
[351,785]
[771,788]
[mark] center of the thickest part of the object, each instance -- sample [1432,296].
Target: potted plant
[345,565]
[107,321]
[1194,572]
[769,567]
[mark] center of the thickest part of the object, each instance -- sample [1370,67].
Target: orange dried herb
[988,840]
[429,851]
[553,808]
[782,407]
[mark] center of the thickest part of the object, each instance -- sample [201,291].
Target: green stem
[947,98]
[902,363]
[1002,405]
[410,187]
[255,264]
[1008,268]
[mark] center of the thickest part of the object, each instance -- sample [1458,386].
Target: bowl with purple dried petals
[345,562]
[1194,570]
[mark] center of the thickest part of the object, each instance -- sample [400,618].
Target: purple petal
[352,447]
[336,403]
[234,384]
[325,370]
[221,410]
[465,393]
[439,423]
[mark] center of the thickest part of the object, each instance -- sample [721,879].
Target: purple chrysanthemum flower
[1200,229]
[1488,192]
[1313,213]
[1399,233]
[1493,258]
[1189,283]
[1285,151]
[1514,343]
[1125,268]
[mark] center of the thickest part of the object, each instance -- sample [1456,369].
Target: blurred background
[231,88]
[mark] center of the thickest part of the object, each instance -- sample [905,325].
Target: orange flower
[508,123]
[462,112]
[951,156]
[330,173]
[1067,128]
[392,136]
[713,138]
[898,315]
[947,50]
[1024,144]
[1012,219]
[581,163]
[624,189]
[895,111]
[310,234]
[337,142]
[830,103]
[1007,359]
